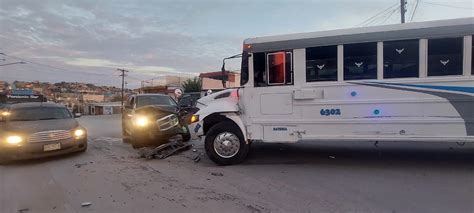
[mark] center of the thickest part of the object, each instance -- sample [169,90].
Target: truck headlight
[79,133]
[141,121]
[14,139]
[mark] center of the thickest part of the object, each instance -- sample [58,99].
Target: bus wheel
[225,144]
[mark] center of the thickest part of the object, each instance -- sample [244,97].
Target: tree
[116,98]
[192,85]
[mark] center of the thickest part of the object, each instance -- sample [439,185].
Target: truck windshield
[40,113]
[155,100]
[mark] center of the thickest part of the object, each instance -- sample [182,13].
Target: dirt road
[317,177]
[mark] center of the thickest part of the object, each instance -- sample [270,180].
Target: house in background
[105,108]
[213,80]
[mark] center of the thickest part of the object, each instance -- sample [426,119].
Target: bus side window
[321,63]
[472,55]
[401,59]
[445,56]
[276,68]
[360,61]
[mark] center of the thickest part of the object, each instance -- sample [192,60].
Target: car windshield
[40,113]
[155,100]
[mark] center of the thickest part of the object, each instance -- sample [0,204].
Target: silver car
[31,130]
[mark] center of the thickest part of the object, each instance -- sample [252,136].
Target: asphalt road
[304,177]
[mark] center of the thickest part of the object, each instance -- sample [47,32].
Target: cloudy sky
[87,40]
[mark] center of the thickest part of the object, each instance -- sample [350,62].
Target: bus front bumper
[196,130]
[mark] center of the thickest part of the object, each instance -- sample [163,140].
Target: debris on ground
[217,174]
[23,210]
[79,165]
[197,158]
[86,204]
[163,151]
[194,150]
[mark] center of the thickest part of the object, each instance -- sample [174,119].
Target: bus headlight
[79,133]
[194,118]
[141,121]
[14,139]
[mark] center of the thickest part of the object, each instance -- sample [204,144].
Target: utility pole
[123,81]
[403,9]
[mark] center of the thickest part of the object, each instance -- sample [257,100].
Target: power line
[371,19]
[414,10]
[20,62]
[446,5]
[49,66]
[390,15]
[387,15]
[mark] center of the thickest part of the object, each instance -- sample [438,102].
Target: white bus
[403,82]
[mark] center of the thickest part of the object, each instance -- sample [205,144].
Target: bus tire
[225,144]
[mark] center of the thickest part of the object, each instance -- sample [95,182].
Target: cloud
[155,37]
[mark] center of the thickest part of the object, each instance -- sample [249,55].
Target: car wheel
[4,160]
[225,145]
[84,148]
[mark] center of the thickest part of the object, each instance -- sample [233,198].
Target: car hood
[158,108]
[40,126]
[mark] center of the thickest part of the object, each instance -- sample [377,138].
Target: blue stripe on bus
[447,88]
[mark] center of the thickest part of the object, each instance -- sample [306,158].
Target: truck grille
[55,135]
[167,122]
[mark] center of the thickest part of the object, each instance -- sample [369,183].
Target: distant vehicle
[152,119]
[404,82]
[31,130]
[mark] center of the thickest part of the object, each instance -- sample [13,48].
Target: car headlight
[5,113]
[141,121]
[14,139]
[78,133]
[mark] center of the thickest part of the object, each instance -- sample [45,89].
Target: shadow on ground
[363,154]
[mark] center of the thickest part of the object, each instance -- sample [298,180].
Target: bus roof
[414,30]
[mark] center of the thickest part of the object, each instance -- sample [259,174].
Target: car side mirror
[77,115]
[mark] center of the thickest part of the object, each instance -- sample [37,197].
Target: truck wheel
[136,143]
[186,136]
[225,144]
[125,135]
